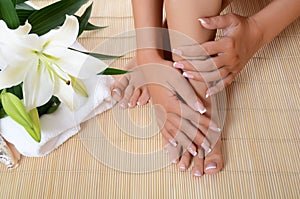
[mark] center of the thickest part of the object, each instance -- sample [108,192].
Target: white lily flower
[44,64]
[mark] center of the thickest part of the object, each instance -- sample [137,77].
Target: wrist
[258,31]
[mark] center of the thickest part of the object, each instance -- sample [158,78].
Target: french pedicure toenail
[206,147]
[211,166]
[138,103]
[177,52]
[200,108]
[174,161]
[192,151]
[117,91]
[197,174]
[188,75]
[182,167]
[123,105]
[178,65]
[130,104]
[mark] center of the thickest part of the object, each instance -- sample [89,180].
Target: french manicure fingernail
[174,161]
[182,167]
[187,75]
[216,129]
[207,95]
[117,91]
[178,65]
[200,107]
[177,52]
[130,104]
[197,174]
[192,151]
[202,21]
[173,142]
[205,145]
[211,166]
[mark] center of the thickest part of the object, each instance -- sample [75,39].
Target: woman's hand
[220,61]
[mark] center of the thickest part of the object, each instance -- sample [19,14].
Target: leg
[183,17]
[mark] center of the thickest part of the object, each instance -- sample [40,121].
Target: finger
[206,65]
[198,169]
[119,87]
[207,77]
[181,138]
[190,131]
[167,136]
[173,152]
[134,98]
[220,85]
[185,161]
[220,22]
[127,94]
[202,51]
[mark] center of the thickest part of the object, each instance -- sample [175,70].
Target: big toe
[213,162]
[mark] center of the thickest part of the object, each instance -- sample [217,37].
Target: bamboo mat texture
[261,139]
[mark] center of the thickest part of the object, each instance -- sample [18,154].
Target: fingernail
[197,174]
[177,52]
[173,142]
[206,146]
[174,161]
[200,107]
[192,151]
[117,91]
[211,166]
[216,129]
[187,75]
[202,21]
[207,95]
[182,167]
[178,65]
[130,104]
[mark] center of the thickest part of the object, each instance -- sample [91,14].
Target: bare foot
[126,91]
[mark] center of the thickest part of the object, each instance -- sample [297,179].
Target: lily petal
[37,87]
[23,30]
[68,96]
[75,63]
[12,76]
[64,36]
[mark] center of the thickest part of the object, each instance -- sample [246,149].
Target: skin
[242,38]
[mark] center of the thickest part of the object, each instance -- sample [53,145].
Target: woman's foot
[126,90]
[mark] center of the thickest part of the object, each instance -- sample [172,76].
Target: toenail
[117,91]
[138,103]
[182,167]
[200,107]
[174,161]
[123,105]
[178,65]
[211,166]
[130,104]
[192,151]
[197,174]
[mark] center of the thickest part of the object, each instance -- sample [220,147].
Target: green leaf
[50,17]
[98,56]
[16,90]
[15,109]
[8,14]
[23,15]
[84,18]
[90,27]
[2,113]
[24,6]
[113,71]
[14,2]
[50,107]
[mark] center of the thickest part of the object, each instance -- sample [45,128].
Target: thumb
[219,22]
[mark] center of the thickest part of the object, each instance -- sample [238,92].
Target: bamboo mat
[261,139]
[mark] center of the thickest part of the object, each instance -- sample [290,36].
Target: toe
[119,87]
[134,98]
[185,161]
[198,169]
[127,95]
[214,160]
[173,152]
[144,97]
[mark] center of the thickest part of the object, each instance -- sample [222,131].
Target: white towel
[62,124]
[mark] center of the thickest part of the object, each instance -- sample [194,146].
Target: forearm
[275,17]
[148,23]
